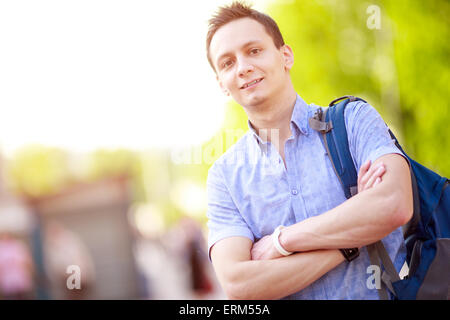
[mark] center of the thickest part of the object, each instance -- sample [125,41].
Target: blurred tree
[37,170]
[422,57]
[401,68]
[105,163]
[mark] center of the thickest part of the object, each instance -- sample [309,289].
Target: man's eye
[255,50]
[227,63]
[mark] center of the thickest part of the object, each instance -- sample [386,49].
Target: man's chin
[254,101]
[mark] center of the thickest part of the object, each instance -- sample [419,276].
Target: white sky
[104,73]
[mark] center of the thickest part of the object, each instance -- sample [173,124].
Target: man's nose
[244,67]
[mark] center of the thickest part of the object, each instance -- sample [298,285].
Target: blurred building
[86,227]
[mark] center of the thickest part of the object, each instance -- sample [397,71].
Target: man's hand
[264,249]
[369,176]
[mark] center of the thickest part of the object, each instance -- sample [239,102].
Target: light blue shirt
[251,192]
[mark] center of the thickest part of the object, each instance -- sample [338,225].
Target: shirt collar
[299,119]
[300,115]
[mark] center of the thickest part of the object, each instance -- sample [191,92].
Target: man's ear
[225,91]
[288,56]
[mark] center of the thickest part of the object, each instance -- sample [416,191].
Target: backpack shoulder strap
[331,124]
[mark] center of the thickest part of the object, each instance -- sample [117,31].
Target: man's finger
[254,254]
[370,173]
[377,181]
[363,169]
[377,174]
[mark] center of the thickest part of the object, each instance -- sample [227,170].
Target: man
[278,174]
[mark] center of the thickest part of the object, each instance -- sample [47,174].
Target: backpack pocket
[429,274]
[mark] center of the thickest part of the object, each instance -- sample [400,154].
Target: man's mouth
[251,83]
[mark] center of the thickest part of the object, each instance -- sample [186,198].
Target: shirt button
[294,192]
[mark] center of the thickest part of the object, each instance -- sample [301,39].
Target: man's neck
[275,116]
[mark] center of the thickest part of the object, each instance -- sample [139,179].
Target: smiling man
[277,215]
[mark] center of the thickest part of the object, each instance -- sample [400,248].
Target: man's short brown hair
[238,10]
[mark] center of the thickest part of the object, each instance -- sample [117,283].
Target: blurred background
[111,118]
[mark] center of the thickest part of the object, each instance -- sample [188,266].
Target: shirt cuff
[233,231]
[384,151]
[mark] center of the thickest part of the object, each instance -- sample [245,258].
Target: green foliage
[422,58]
[37,170]
[402,69]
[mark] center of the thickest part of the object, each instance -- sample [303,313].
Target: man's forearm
[351,224]
[359,221]
[277,278]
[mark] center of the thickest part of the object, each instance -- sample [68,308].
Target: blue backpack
[426,235]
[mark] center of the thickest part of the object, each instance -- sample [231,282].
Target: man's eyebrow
[247,44]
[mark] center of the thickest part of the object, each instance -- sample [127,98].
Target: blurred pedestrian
[66,258]
[16,268]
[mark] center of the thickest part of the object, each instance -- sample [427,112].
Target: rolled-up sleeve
[368,134]
[224,219]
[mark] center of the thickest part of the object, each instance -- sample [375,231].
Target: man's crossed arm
[260,272]
[364,219]
[244,278]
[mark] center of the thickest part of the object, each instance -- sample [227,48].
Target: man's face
[249,67]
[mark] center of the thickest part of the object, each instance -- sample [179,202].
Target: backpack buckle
[318,124]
